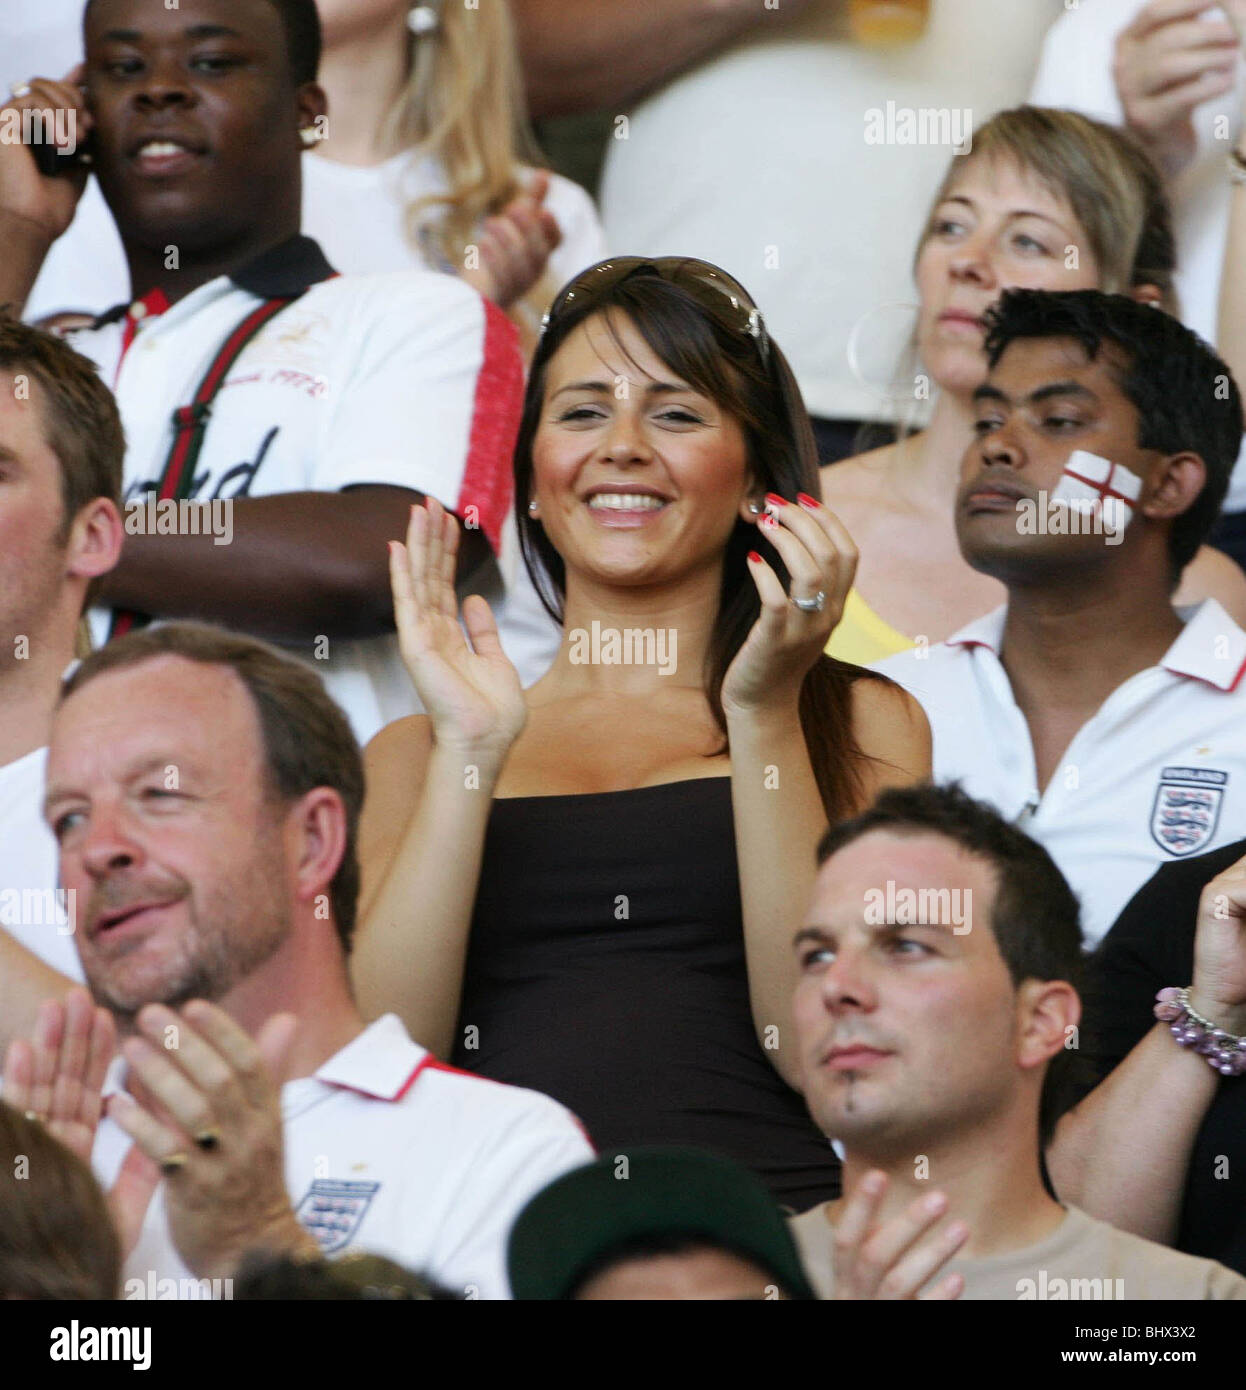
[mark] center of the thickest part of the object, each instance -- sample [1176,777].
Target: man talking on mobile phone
[281,420]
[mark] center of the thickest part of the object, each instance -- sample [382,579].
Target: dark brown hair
[56,1237]
[723,363]
[1035,915]
[307,740]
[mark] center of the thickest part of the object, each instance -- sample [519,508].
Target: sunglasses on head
[723,297]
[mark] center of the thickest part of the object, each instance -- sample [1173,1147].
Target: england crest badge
[1187,808]
[332,1210]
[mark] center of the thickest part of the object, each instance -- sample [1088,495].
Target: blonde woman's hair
[1108,181]
[464,107]
[1106,178]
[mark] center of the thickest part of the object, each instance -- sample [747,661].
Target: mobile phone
[51,161]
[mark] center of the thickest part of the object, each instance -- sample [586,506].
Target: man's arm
[1123,1153]
[25,982]
[1230,333]
[607,53]
[298,565]
[25,249]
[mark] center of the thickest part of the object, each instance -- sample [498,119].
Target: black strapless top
[606,968]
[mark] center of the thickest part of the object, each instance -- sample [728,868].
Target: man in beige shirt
[935,1010]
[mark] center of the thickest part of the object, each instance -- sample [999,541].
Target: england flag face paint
[1092,484]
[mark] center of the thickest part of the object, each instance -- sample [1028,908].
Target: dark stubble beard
[231,933]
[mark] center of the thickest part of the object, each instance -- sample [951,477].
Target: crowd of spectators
[690,751]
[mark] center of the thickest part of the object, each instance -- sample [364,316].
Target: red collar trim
[150,305]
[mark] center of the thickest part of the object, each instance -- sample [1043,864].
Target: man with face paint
[1107,724]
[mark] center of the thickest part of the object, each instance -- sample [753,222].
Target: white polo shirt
[408,379]
[1158,773]
[31,909]
[390,1151]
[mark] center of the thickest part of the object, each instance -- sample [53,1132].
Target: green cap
[631,1194]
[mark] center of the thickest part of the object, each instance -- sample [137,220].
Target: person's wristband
[1226,1052]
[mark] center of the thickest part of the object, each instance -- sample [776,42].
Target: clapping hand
[470,689]
[57,1077]
[209,1121]
[515,245]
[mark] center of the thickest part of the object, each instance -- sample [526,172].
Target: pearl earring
[532,506]
[422,19]
[755,508]
[309,135]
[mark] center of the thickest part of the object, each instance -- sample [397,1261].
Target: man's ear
[1048,1012]
[1175,484]
[95,540]
[313,108]
[316,825]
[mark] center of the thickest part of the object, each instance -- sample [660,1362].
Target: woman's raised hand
[470,690]
[786,640]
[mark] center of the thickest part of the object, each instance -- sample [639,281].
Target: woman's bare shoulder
[394,763]
[408,734]
[891,728]
[855,479]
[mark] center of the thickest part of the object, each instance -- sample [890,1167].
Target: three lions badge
[332,1210]
[1187,808]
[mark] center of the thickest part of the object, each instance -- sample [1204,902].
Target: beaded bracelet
[1224,1051]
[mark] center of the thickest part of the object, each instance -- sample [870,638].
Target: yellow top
[862,637]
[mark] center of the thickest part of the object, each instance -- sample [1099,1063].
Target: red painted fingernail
[754,557]
[806,501]
[767,520]
[775,501]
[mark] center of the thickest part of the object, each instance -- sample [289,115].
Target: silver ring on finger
[811,605]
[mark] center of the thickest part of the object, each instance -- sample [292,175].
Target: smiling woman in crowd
[589,887]
[1048,200]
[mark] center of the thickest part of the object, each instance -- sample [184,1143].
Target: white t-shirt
[758,160]
[32,910]
[357,215]
[390,1151]
[1157,773]
[408,379]
[1082,1259]
[1075,70]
